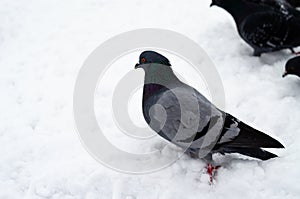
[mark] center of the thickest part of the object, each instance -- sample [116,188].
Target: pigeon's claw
[211,170]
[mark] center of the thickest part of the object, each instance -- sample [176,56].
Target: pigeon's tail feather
[249,141]
[252,152]
[249,137]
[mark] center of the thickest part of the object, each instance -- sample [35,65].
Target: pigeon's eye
[143,60]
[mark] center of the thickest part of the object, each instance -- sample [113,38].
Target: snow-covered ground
[42,47]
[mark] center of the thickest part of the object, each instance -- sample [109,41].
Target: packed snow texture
[42,47]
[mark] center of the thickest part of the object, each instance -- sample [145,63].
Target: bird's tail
[252,152]
[251,138]
[249,142]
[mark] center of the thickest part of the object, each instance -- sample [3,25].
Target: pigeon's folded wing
[265,29]
[186,117]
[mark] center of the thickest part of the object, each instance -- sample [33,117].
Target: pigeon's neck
[158,78]
[162,75]
[151,89]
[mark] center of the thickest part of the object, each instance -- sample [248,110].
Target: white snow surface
[42,47]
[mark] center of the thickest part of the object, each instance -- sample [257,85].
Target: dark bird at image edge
[266,25]
[292,67]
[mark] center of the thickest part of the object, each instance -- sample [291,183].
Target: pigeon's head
[224,3]
[148,57]
[292,67]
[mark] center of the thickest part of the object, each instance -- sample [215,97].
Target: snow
[42,47]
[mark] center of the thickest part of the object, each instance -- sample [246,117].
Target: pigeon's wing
[265,30]
[186,118]
[279,5]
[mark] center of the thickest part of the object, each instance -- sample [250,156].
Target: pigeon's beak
[285,74]
[137,66]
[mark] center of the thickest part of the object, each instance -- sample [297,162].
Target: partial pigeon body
[295,3]
[266,25]
[181,115]
[292,67]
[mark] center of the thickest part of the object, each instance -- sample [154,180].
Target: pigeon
[266,25]
[292,67]
[180,114]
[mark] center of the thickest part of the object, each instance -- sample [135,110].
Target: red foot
[211,171]
[297,53]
